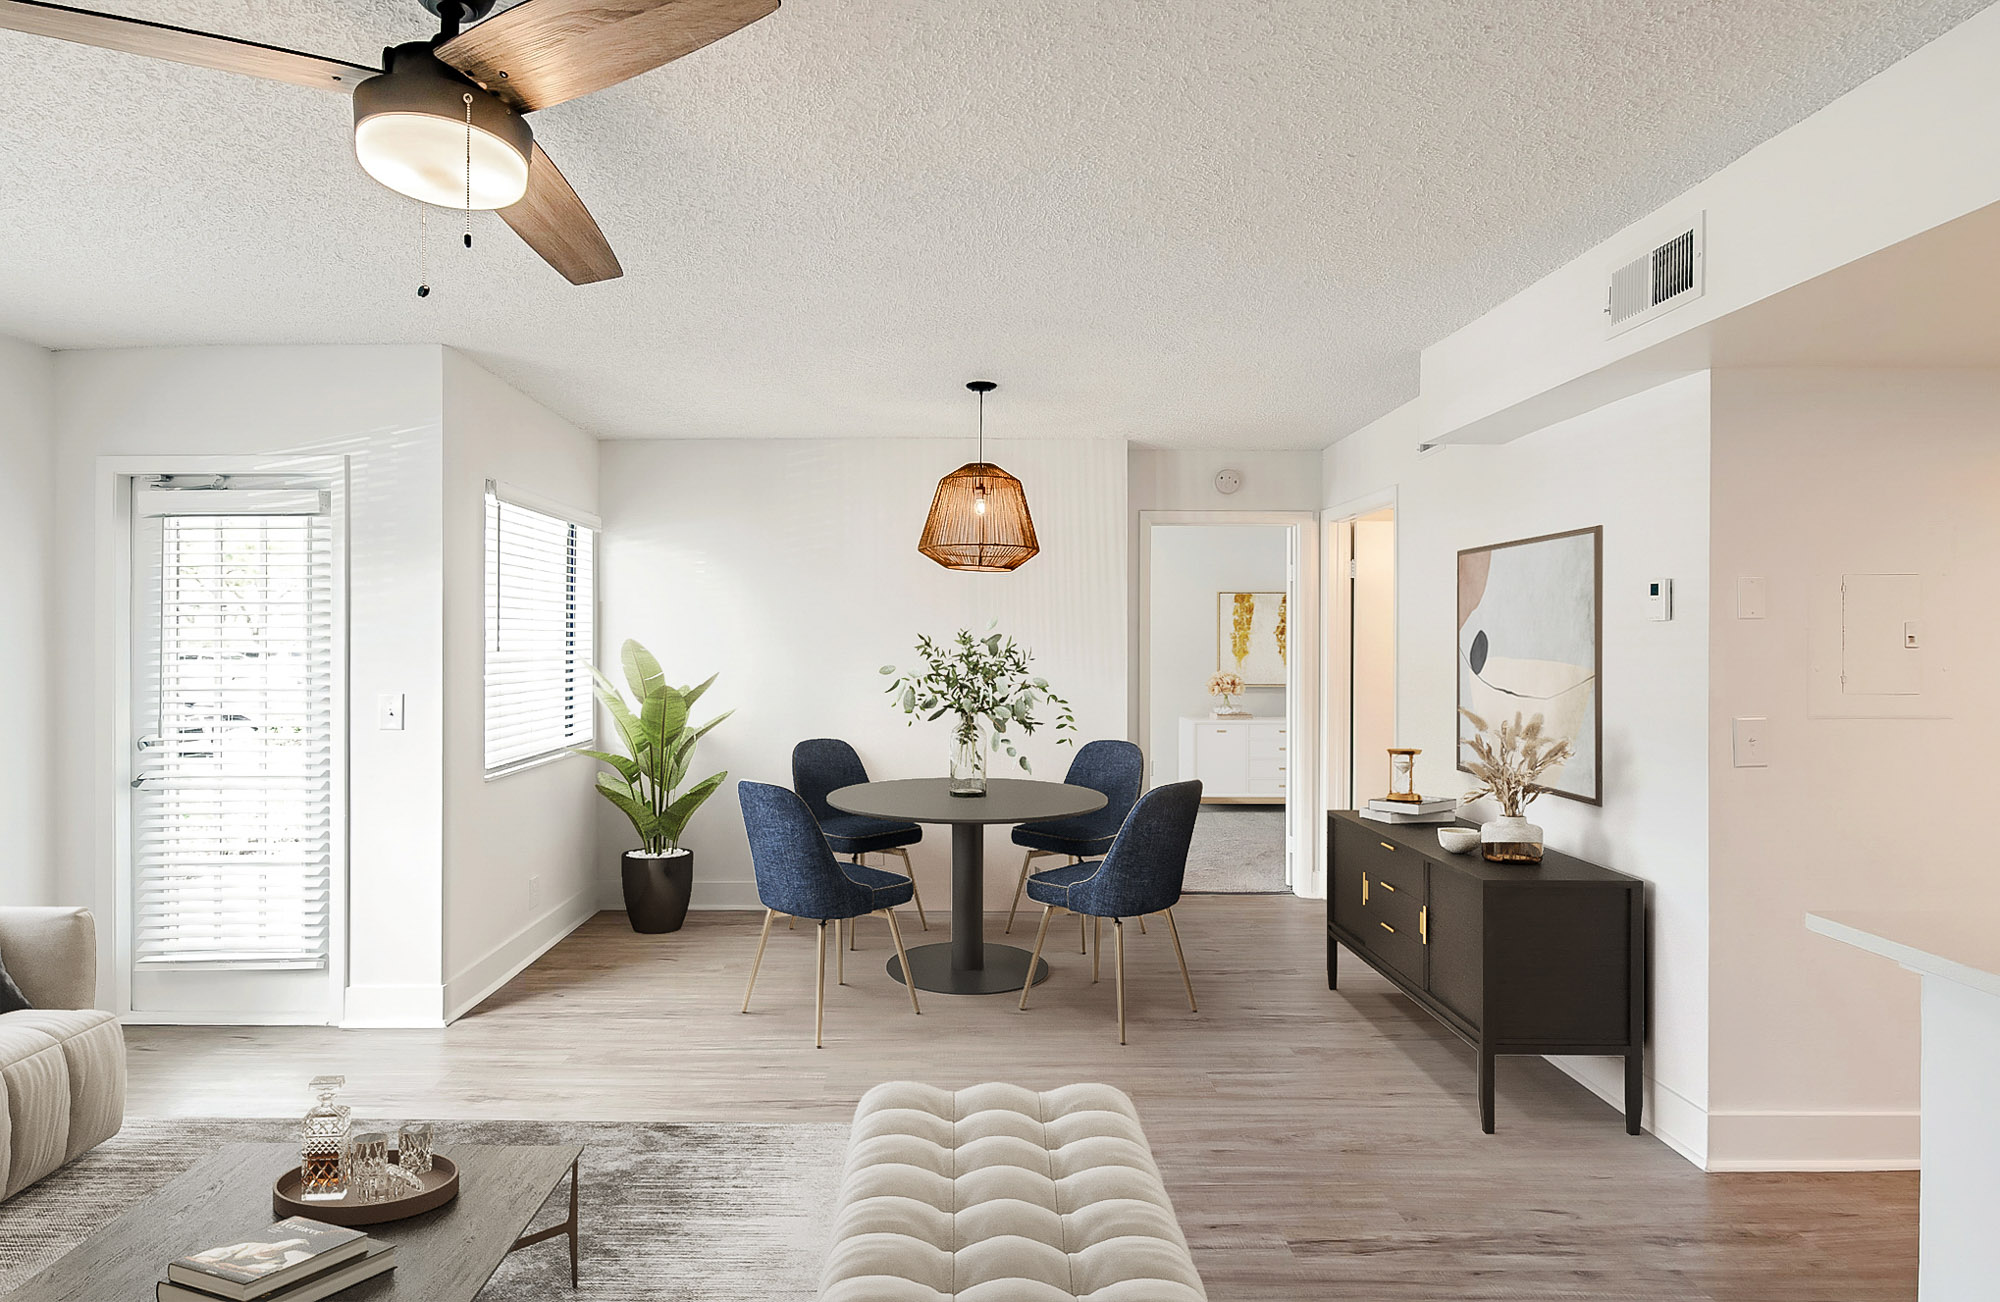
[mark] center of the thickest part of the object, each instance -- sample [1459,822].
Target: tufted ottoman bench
[1000,1194]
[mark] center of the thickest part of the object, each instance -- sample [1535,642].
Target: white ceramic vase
[1511,840]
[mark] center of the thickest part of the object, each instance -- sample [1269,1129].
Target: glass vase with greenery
[984,684]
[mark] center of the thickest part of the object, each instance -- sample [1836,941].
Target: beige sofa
[62,1063]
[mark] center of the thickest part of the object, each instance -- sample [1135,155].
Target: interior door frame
[1305,868]
[1335,731]
[112,767]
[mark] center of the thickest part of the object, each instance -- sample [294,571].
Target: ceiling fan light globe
[424,157]
[411,134]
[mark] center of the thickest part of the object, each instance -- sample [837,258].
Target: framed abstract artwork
[1250,636]
[1530,641]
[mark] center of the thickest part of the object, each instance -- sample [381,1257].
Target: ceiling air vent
[1655,282]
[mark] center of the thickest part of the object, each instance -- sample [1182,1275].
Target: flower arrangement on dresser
[1510,762]
[984,684]
[1226,687]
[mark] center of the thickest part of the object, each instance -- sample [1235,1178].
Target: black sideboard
[1524,958]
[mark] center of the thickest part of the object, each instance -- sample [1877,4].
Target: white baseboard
[1814,1141]
[1672,1118]
[507,960]
[394,1006]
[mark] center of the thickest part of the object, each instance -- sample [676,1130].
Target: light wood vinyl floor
[1317,1144]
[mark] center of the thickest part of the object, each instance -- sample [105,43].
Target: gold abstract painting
[1250,636]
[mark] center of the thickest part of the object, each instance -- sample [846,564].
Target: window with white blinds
[232,788]
[540,639]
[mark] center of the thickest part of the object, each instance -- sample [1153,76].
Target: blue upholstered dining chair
[1140,874]
[826,764]
[1115,768]
[797,875]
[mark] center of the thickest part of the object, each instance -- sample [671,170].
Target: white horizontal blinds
[539,636]
[233,791]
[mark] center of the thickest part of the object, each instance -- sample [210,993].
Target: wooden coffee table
[442,1256]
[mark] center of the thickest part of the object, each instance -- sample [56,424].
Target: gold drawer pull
[1386,927]
[1424,924]
[1386,846]
[1364,888]
[1387,887]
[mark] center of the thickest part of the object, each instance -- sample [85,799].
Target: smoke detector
[1228,481]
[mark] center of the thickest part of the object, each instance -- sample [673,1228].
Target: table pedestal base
[1005,967]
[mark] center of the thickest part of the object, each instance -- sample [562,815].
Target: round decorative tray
[440,1186]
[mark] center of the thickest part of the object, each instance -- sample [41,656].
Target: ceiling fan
[443,121]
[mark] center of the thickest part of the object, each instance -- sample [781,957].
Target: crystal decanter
[323,1148]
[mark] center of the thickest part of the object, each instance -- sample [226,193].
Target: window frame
[583,598]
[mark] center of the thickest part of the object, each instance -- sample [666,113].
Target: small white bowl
[1458,840]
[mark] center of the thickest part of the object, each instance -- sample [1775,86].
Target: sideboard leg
[1635,1088]
[1485,1089]
[1332,964]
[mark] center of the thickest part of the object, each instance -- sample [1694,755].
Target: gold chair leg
[1082,923]
[1041,934]
[1142,924]
[791,923]
[909,977]
[1118,936]
[853,941]
[1185,979]
[819,992]
[840,954]
[1096,926]
[758,961]
[916,895]
[1019,886]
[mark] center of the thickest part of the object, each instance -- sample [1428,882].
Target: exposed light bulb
[979,504]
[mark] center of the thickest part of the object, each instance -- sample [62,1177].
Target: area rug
[698,1213]
[1237,850]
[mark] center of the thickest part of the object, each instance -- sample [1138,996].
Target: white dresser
[1236,759]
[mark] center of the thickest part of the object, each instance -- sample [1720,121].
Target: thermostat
[1227,481]
[1660,599]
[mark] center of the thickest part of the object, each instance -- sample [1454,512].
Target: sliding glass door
[232,796]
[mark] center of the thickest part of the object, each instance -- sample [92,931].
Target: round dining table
[967,965]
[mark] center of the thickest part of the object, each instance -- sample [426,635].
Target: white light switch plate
[1749,744]
[389,712]
[1750,598]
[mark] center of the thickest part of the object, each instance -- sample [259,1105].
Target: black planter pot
[657,889]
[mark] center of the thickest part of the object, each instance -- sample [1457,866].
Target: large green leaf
[693,694]
[663,718]
[627,769]
[621,717]
[618,793]
[642,672]
[675,816]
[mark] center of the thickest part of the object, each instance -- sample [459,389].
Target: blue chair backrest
[823,765]
[796,872]
[1116,768]
[1146,865]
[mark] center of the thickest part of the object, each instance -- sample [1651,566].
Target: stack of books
[1443,810]
[295,1260]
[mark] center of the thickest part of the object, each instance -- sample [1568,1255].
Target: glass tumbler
[369,1176]
[413,1147]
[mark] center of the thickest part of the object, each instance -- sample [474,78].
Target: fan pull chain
[468,169]
[424,251]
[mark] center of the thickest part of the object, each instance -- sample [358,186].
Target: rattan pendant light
[979,517]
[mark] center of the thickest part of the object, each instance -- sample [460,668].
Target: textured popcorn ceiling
[1189,223]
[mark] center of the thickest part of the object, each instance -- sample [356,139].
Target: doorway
[1361,655]
[1221,596]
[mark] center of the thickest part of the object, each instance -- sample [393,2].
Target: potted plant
[983,683]
[1510,762]
[658,877]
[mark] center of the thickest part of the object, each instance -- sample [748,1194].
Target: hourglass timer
[1403,775]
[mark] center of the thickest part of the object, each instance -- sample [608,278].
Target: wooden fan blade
[182,45]
[556,225]
[542,52]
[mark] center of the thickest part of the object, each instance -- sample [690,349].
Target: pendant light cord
[468,169]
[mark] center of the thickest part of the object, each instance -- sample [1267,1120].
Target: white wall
[380,408]
[1190,565]
[1818,473]
[791,568]
[28,866]
[1640,468]
[1908,149]
[531,832]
